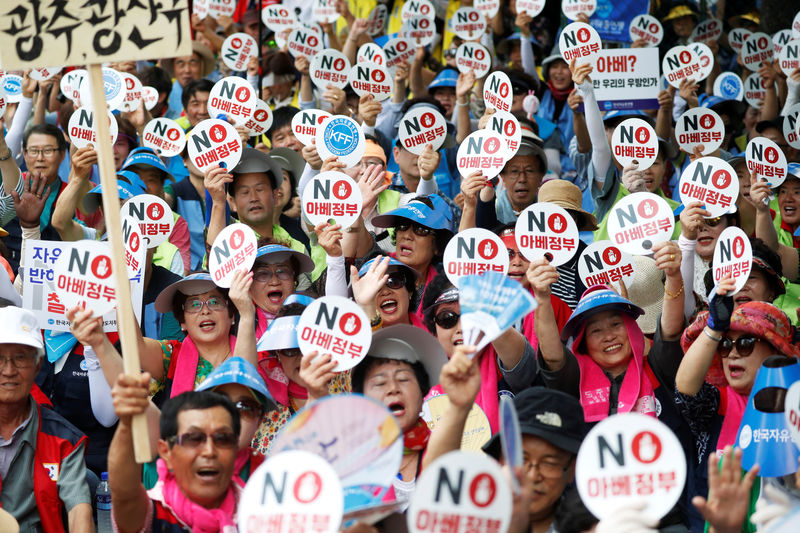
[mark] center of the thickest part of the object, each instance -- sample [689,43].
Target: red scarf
[416,438]
[280,386]
[559,94]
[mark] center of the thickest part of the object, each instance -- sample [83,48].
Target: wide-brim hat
[197,48]
[240,372]
[280,335]
[438,218]
[94,198]
[276,253]
[146,157]
[566,194]
[19,326]
[290,161]
[596,299]
[647,292]
[680,11]
[256,161]
[191,285]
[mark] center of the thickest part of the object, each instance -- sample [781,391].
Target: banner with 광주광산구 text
[612,18]
[626,78]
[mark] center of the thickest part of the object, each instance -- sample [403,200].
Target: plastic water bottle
[103,500]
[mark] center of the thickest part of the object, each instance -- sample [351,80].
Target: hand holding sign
[580,42]
[733,257]
[82,278]
[335,326]
[233,250]
[332,195]
[546,230]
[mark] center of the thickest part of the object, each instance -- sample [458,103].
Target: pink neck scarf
[197,517]
[264,318]
[186,367]
[636,393]
[280,386]
[735,404]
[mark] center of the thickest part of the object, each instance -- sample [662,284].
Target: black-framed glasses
[19,361]
[264,275]
[419,231]
[744,345]
[46,151]
[446,319]
[396,280]
[195,305]
[195,439]
[249,408]
[289,352]
[548,468]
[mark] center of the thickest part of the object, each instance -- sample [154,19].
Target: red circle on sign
[721,179]
[762,43]
[350,323]
[134,242]
[642,135]
[424,9]
[236,42]
[261,115]
[487,249]
[312,41]
[611,256]
[401,46]
[155,211]
[653,28]
[491,146]
[242,94]
[307,487]
[338,64]
[424,23]
[482,490]
[557,223]
[427,119]
[473,16]
[217,133]
[101,266]
[504,90]
[583,35]
[685,56]
[707,121]
[647,209]
[173,134]
[738,247]
[479,54]
[129,83]
[378,76]
[237,238]
[646,447]
[342,189]
[704,61]
[510,128]
[771,154]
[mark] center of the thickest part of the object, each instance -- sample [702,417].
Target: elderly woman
[383,287]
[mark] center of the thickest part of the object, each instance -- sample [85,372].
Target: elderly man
[41,454]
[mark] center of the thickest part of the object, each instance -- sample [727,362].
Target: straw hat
[567,195]
[647,291]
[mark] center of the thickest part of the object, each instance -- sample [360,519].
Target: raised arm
[601,152]
[215,182]
[668,259]
[246,332]
[78,185]
[541,275]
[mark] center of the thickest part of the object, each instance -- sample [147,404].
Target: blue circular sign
[112,84]
[730,86]
[84,365]
[341,136]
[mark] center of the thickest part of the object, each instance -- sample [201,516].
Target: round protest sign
[634,141]
[629,456]
[329,67]
[579,41]
[757,50]
[477,430]
[419,30]
[531,7]
[680,63]
[474,251]
[214,143]
[12,85]
[699,126]
[82,131]
[468,23]
[473,56]
[82,277]
[135,247]
[42,74]
[305,124]
[165,136]
[546,230]
[133,93]
[278,18]
[790,126]
[646,28]
[304,42]
[507,126]
[602,262]
[792,411]
[781,39]
[217,8]
[71,83]
[417,8]
[767,159]
[706,57]
[237,49]
[342,137]
[497,91]
[153,215]
[489,8]
[113,86]
[755,90]
[737,37]
[640,220]
[335,326]
[377,20]
[573,8]
[708,30]
[200,8]
[150,97]
[398,50]
[729,86]
[733,257]
[261,120]
[233,97]
[297,488]
[482,150]
[233,249]
[466,485]
[324,11]
[332,195]
[371,53]
[713,182]
[420,127]
[789,57]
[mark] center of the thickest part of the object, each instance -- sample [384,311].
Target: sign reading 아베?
[473,56]
[766,159]
[371,53]
[546,230]
[304,42]
[212,143]
[417,8]
[713,182]
[733,257]
[234,249]
[71,83]
[489,8]
[261,120]
[708,30]
[634,141]
[755,90]
[468,23]
[419,30]
[474,251]
[507,126]
[781,39]
[791,125]
[789,57]
[531,7]
[329,67]
[325,11]
[737,37]
[626,78]
[133,93]
[377,20]
[153,215]
[680,63]
[604,263]
[278,18]
[335,326]
[579,41]
[82,131]
[639,221]
[482,150]
[165,136]
[237,49]
[699,126]
[757,50]
[305,124]
[332,195]
[573,8]
[82,277]
[646,28]
[497,91]
[398,50]
[233,97]
[420,127]
[135,247]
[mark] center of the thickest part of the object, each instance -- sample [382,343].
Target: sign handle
[125,319]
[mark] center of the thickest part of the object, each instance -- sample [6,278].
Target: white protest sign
[237,49]
[82,130]
[473,56]
[150,97]
[419,30]
[573,8]
[325,11]
[796,26]
[292,489]
[626,78]
[737,37]
[335,326]
[482,150]
[342,137]
[417,8]
[165,136]
[261,120]
[304,42]
[42,74]
[135,248]
[680,63]
[789,57]
[71,83]
[305,124]
[200,8]
[420,127]
[602,262]
[467,485]
[12,85]
[217,8]
[699,125]
[278,18]
[233,97]
[706,57]
[153,215]
[371,53]
[767,159]
[507,126]
[497,91]
[713,182]
[634,140]
[646,28]
[3,101]
[234,249]
[781,39]
[468,23]
[792,411]
[531,7]
[708,30]
[510,437]
[791,124]
[579,41]
[628,456]
[755,90]
[82,277]
[640,220]
[329,67]
[398,50]
[377,20]
[489,8]
[332,195]
[729,86]
[546,230]
[113,86]
[757,50]
[133,93]
[212,143]
[474,251]
[733,257]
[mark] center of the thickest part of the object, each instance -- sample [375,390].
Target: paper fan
[490,304]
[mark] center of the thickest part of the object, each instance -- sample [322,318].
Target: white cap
[19,326]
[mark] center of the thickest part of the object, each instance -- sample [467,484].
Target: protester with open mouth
[383,287]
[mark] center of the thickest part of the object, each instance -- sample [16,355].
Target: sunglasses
[419,231]
[249,408]
[446,319]
[712,222]
[744,345]
[195,439]
[512,254]
[289,352]
[396,280]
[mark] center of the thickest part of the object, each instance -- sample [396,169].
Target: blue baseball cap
[146,157]
[392,263]
[241,372]
[94,198]
[596,299]
[417,211]
[280,335]
[276,253]
[446,78]
[793,169]
[191,285]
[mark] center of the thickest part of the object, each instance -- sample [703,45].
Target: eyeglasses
[195,305]
[265,275]
[19,361]
[549,469]
[195,439]
[446,319]
[396,280]
[419,231]
[450,52]
[513,254]
[515,173]
[712,222]
[249,408]
[744,345]
[289,352]
[47,151]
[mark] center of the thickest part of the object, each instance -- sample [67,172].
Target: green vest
[788,302]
